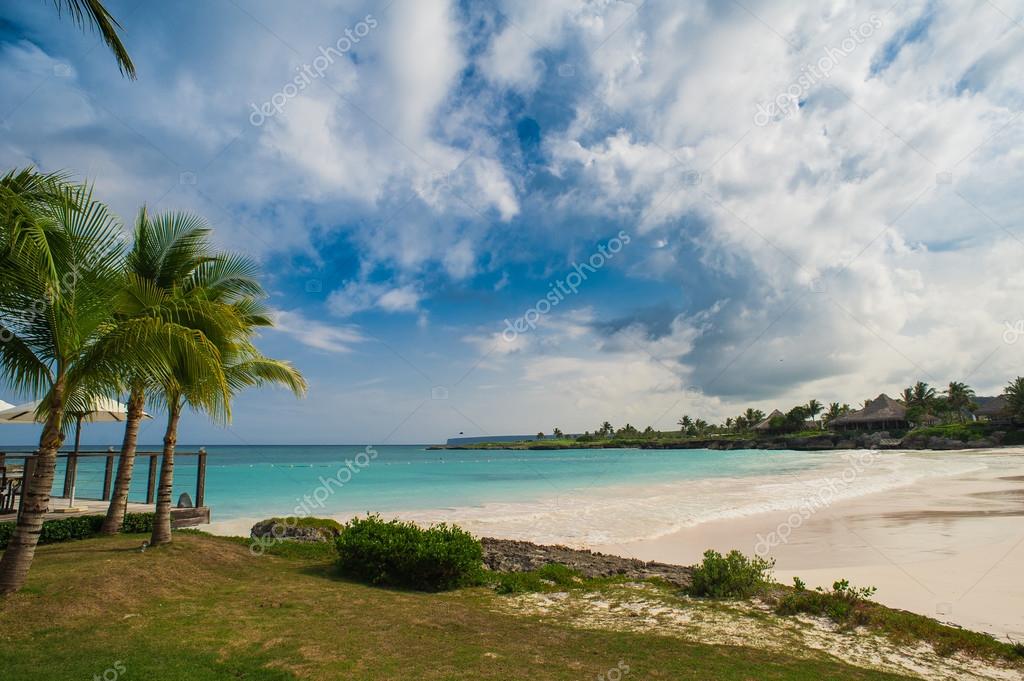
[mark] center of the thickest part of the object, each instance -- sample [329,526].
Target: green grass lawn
[206,608]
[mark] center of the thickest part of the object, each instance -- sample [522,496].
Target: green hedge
[79,527]
[402,554]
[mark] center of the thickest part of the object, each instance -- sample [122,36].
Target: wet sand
[950,548]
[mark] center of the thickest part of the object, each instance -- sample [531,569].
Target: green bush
[79,527]
[396,553]
[842,604]
[730,576]
[138,523]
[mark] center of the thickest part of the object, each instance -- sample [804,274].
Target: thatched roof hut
[766,424]
[993,408]
[878,414]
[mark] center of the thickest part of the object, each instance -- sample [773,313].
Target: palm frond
[93,13]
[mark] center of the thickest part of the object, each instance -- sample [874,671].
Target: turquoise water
[247,481]
[581,496]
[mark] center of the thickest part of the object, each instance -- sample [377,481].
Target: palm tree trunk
[125,464]
[162,521]
[21,548]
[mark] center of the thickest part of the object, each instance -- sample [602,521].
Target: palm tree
[1015,397]
[93,13]
[606,429]
[162,277]
[685,423]
[959,396]
[813,408]
[835,410]
[60,256]
[741,423]
[701,426]
[753,416]
[242,366]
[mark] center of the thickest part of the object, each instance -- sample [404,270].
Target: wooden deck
[12,474]
[180,517]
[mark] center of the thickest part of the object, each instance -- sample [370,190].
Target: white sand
[950,548]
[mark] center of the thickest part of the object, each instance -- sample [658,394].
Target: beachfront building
[766,425]
[881,413]
[993,409]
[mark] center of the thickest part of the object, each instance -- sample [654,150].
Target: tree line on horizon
[162,318]
[924,404]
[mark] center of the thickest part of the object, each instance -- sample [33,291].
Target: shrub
[402,554]
[731,576]
[550,577]
[79,527]
[841,604]
[138,523]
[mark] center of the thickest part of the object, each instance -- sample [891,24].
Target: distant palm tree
[1015,397]
[813,408]
[753,416]
[557,432]
[94,14]
[959,397]
[835,410]
[685,423]
[606,429]
[701,426]
[741,423]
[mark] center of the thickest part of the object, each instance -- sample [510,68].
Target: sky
[484,218]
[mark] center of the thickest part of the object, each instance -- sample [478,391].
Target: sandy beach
[951,548]
[949,545]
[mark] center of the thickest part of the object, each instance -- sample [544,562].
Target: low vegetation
[851,607]
[205,609]
[730,576]
[396,553]
[80,527]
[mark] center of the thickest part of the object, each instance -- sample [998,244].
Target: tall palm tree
[244,367]
[60,254]
[92,13]
[685,423]
[162,268]
[959,396]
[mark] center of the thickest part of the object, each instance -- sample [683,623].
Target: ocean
[582,496]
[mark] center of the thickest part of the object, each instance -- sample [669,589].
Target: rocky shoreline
[507,555]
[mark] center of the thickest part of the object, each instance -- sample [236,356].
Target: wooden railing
[29,459]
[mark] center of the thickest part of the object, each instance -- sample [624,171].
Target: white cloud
[356,296]
[316,334]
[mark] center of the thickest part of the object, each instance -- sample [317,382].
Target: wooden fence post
[151,483]
[201,478]
[108,473]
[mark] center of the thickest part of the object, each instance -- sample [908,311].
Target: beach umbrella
[101,409]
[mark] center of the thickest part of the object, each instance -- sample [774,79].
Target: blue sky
[809,200]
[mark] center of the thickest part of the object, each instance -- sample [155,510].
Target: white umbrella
[102,409]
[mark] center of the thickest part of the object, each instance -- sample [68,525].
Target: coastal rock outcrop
[507,555]
[274,528]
